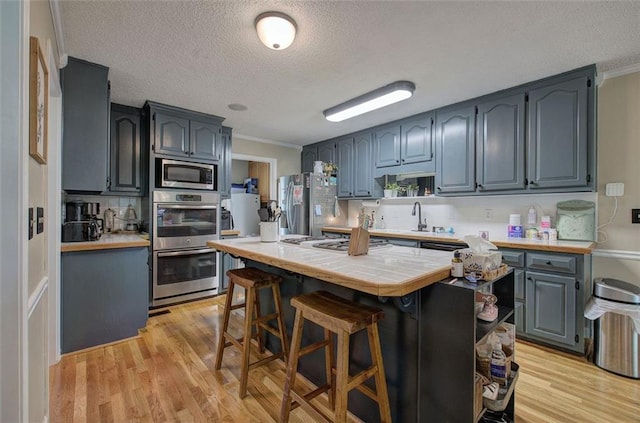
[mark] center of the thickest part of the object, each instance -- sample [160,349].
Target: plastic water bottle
[498,364]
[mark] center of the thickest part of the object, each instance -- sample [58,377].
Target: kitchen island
[429,332]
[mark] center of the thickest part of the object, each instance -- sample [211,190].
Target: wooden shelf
[485,328]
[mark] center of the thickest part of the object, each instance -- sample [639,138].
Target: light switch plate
[30,222]
[635,215]
[40,220]
[614,189]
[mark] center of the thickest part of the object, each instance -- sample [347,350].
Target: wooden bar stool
[343,318]
[252,280]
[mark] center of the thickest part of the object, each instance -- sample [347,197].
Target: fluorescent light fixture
[276,30]
[389,94]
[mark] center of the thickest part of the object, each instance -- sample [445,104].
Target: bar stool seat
[342,317]
[252,280]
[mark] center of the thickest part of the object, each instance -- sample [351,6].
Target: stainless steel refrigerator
[309,201]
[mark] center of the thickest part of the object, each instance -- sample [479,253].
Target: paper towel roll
[371,203]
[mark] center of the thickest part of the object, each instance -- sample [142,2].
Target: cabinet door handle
[186,153]
[548,263]
[439,189]
[529,278]
[533,183]
[402,160]
[397,161]
[479,186]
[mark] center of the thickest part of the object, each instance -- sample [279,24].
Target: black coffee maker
[81,222]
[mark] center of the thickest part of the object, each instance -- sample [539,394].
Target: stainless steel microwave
[181,174]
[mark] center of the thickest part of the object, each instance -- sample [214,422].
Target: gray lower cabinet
[551,307]
[559,132]
[85,118]
[551,290]
[224,164]
[455,150]
[354,166]
[105,296]
[126,163]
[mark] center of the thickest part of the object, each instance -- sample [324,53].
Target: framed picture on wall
[38,102]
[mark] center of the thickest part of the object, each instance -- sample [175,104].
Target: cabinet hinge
[526,182]
[476,110]
[589,178]
[577,285]
[526,97]
[589,82]
[577,338]
[153,117]
[431,121]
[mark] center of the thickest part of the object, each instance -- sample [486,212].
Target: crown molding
[625,70]
[56,16]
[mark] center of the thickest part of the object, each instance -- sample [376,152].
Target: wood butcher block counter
[106,241]
[560,246]
[385,271]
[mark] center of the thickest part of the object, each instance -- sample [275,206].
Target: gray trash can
[616,341]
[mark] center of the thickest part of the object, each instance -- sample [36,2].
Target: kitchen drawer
[551,262]
[513,258]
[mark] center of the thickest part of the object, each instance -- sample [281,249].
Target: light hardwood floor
[167,375]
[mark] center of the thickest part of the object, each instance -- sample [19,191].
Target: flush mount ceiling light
[276,30]
[384,96]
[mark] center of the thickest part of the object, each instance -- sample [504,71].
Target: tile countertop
[388,270]
[107,241]
[576,247]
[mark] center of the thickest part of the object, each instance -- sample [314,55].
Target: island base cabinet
[428,342]
[105,296]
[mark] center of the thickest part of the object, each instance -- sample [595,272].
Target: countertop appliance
[183,267]
[81,222]
[182,174]
[308,202]
[244,209]
[576,220]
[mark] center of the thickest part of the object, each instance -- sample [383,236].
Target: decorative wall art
[38,102]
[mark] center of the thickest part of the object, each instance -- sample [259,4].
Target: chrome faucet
[421,226]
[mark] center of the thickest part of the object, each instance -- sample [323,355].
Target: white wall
[618,161]
[467,215]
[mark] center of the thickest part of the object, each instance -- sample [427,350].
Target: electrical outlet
[635,215]
[488,214]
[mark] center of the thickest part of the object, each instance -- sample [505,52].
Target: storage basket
[500,403]
[477,396]
[474,261]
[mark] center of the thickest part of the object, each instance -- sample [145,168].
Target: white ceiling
[204,55]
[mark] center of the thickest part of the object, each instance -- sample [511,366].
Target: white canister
[269,232]
[318,167]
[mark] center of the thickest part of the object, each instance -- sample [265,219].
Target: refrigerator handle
[290,213]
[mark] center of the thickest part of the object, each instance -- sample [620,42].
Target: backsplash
[467,215]
[118,204]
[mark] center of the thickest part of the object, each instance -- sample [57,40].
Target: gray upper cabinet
[500,144]
[387,145]
[363,181]
[224,165]
[417,142]
[326,152]
[172,134]
[185,134]
[203,140]
[354,166]
[85,114]
[558,134]
[455,150]
[345,167]
[551,307]
[309,155]
[126,174]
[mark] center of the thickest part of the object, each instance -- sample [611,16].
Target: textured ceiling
[206,55]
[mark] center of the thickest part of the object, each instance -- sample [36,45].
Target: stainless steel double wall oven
[184,268]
